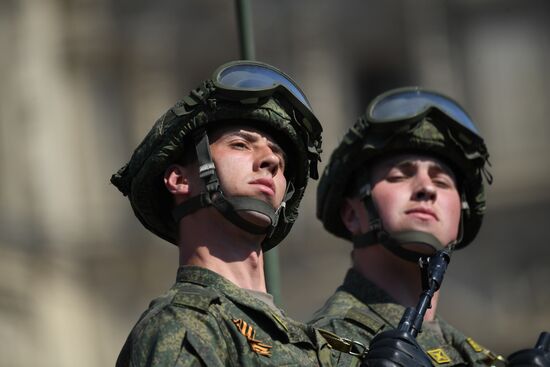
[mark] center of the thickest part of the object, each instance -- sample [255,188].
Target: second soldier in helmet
[406,181]
[407,187]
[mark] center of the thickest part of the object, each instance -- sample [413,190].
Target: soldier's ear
[176,180]
[350,216]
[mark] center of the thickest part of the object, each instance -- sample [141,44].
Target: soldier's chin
[256,218]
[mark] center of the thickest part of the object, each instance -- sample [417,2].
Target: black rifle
[433,269]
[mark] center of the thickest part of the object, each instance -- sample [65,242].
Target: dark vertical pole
[246,34]
[246,39]
[272,276]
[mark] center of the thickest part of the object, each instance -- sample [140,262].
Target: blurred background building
[82,81]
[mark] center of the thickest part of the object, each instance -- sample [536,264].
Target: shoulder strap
[372,324]
[482,355]
[471,351]
[196,297]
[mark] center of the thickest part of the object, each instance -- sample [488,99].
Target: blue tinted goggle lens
[258,77]
[408,104]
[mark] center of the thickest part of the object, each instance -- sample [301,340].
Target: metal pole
[246,35]
[272,276]
[246,40]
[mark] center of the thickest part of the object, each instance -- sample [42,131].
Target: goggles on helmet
[247,81]
[411,104]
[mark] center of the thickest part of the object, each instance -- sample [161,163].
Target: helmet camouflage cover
[141,179]
[432,134]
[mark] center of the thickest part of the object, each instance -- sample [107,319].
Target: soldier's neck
[219,246]
[397,277]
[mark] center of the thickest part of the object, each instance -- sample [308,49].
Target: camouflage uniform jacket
[205,320]
[359,310]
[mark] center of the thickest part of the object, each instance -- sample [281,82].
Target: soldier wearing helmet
[406,181]
[221,175]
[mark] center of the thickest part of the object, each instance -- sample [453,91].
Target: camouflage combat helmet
[243,92]
[405,120]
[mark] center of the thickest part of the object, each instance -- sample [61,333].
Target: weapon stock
[433,269]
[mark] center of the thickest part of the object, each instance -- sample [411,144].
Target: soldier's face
[416,192]
[249,163]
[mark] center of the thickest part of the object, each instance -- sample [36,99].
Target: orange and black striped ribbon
[250,334]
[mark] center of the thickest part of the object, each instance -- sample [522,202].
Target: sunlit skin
[411,192]
[248,163]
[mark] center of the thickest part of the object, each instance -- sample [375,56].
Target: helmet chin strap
[229,207]
[399,243]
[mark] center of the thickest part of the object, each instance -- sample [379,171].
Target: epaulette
[366,321]
[196,297]
[483,355]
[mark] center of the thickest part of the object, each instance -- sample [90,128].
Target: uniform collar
[208,278]
[439,335]
[363,289]
[211,279]
[379,301]
[373,297]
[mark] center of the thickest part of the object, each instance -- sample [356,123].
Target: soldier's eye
[443,182]
[239,144]
[395,177]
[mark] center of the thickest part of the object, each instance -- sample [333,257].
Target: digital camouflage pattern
[205,320]
[359,310]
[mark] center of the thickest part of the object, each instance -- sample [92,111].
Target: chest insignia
[439,355]
[250,335]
